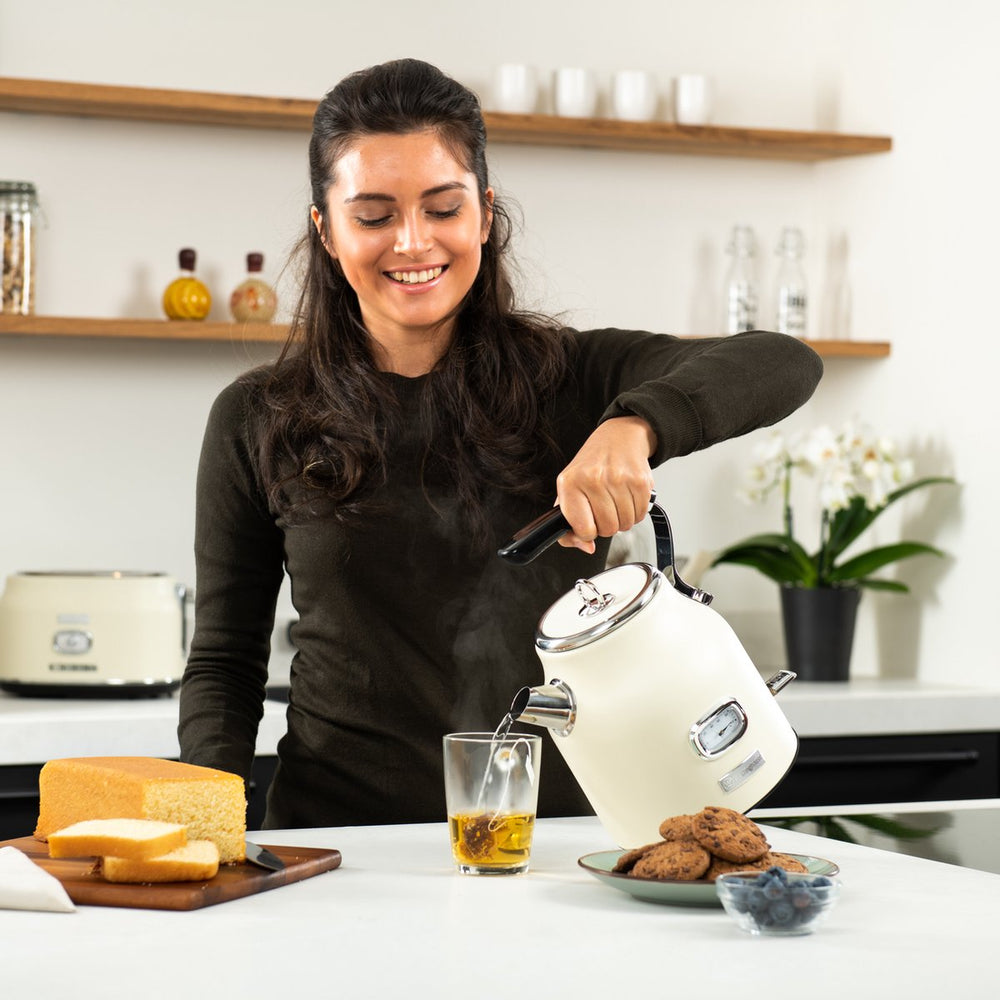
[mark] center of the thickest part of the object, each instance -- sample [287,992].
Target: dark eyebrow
[375,196]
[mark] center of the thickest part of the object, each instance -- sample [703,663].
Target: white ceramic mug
[515,88]
[634,95]
[692,99]
[576,92]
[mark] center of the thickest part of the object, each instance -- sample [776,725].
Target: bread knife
[263,858]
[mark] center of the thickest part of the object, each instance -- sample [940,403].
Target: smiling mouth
[416,277]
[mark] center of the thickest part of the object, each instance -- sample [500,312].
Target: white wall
[99,439]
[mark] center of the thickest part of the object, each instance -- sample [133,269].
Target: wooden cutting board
[232,882]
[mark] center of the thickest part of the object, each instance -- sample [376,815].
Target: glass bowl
[777,902]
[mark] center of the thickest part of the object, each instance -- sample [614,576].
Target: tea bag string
[528,770]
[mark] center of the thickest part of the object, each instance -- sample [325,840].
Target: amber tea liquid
[482,842]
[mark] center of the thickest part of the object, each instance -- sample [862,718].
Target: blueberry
[820,882]
[801,896]
[782,912]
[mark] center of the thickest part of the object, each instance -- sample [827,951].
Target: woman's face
[404,221]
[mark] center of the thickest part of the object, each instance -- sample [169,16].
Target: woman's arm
[663,397]
[239,564]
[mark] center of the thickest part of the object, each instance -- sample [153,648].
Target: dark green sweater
[403,633]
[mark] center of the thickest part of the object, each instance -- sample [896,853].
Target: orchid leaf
[861,566]
[916,485]
[779,566]
[893,828]
[833,829]
[849,523]
[870,583]
[777,556]
[880,824]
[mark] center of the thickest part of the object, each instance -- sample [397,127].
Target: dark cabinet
[925,767]
[18,800]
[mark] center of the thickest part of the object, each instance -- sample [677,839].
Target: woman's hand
[606,488]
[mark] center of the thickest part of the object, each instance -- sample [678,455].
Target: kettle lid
[597,606]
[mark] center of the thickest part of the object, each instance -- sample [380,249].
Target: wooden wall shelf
[141,329]
[201,108]
[157,329]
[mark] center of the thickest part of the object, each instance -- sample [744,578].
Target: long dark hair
[329,410]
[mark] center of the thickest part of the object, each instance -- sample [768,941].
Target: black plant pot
[819,630]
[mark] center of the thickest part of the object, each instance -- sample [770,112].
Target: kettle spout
[550,705]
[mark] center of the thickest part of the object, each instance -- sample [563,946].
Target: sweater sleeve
[239,568]
[697,392]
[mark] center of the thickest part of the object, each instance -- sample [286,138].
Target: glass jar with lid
[18,216]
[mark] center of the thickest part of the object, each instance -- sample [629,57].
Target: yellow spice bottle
[186,297]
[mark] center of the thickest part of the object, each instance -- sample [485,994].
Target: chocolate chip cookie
[728,834]
[720,866]
[785,861]
[685,860]
[627,861]
[677,828]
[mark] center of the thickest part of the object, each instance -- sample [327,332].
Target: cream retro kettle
[649,694]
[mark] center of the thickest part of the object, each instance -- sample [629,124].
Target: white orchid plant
[860,474]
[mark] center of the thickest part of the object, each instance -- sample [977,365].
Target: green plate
[670,891]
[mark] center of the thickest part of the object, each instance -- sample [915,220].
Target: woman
[412,424]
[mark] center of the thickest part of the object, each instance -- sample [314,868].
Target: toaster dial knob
[72,641]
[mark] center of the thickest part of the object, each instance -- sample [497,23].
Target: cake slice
[210,803]
[195,861]
[137,839]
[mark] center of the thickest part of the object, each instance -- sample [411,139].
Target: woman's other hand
[606,487]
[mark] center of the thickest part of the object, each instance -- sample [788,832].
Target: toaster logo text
[75,667]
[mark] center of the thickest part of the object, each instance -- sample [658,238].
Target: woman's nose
[413,237]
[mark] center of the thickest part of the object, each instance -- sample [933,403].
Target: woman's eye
[372,223]
[448,213]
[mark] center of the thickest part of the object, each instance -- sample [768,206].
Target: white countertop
[875,707]
[396,919]
[34,730]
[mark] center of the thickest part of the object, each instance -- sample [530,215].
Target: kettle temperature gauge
[718,729]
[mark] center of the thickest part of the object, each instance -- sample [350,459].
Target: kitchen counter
[874,707]
[33,730]
[396,919]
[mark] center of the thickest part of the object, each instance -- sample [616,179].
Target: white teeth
[415,277]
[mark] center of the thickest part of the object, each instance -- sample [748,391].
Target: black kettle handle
[533,539]
[665,555]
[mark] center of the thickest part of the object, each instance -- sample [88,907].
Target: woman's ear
[487,215]
[317,220]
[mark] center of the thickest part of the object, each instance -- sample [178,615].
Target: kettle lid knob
[594,602]
[597,606]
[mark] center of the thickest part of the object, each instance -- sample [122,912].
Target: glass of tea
[491,790]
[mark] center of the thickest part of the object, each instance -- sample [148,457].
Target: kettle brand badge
[74,667]
[742,771]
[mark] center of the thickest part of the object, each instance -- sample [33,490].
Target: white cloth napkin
[25,886]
